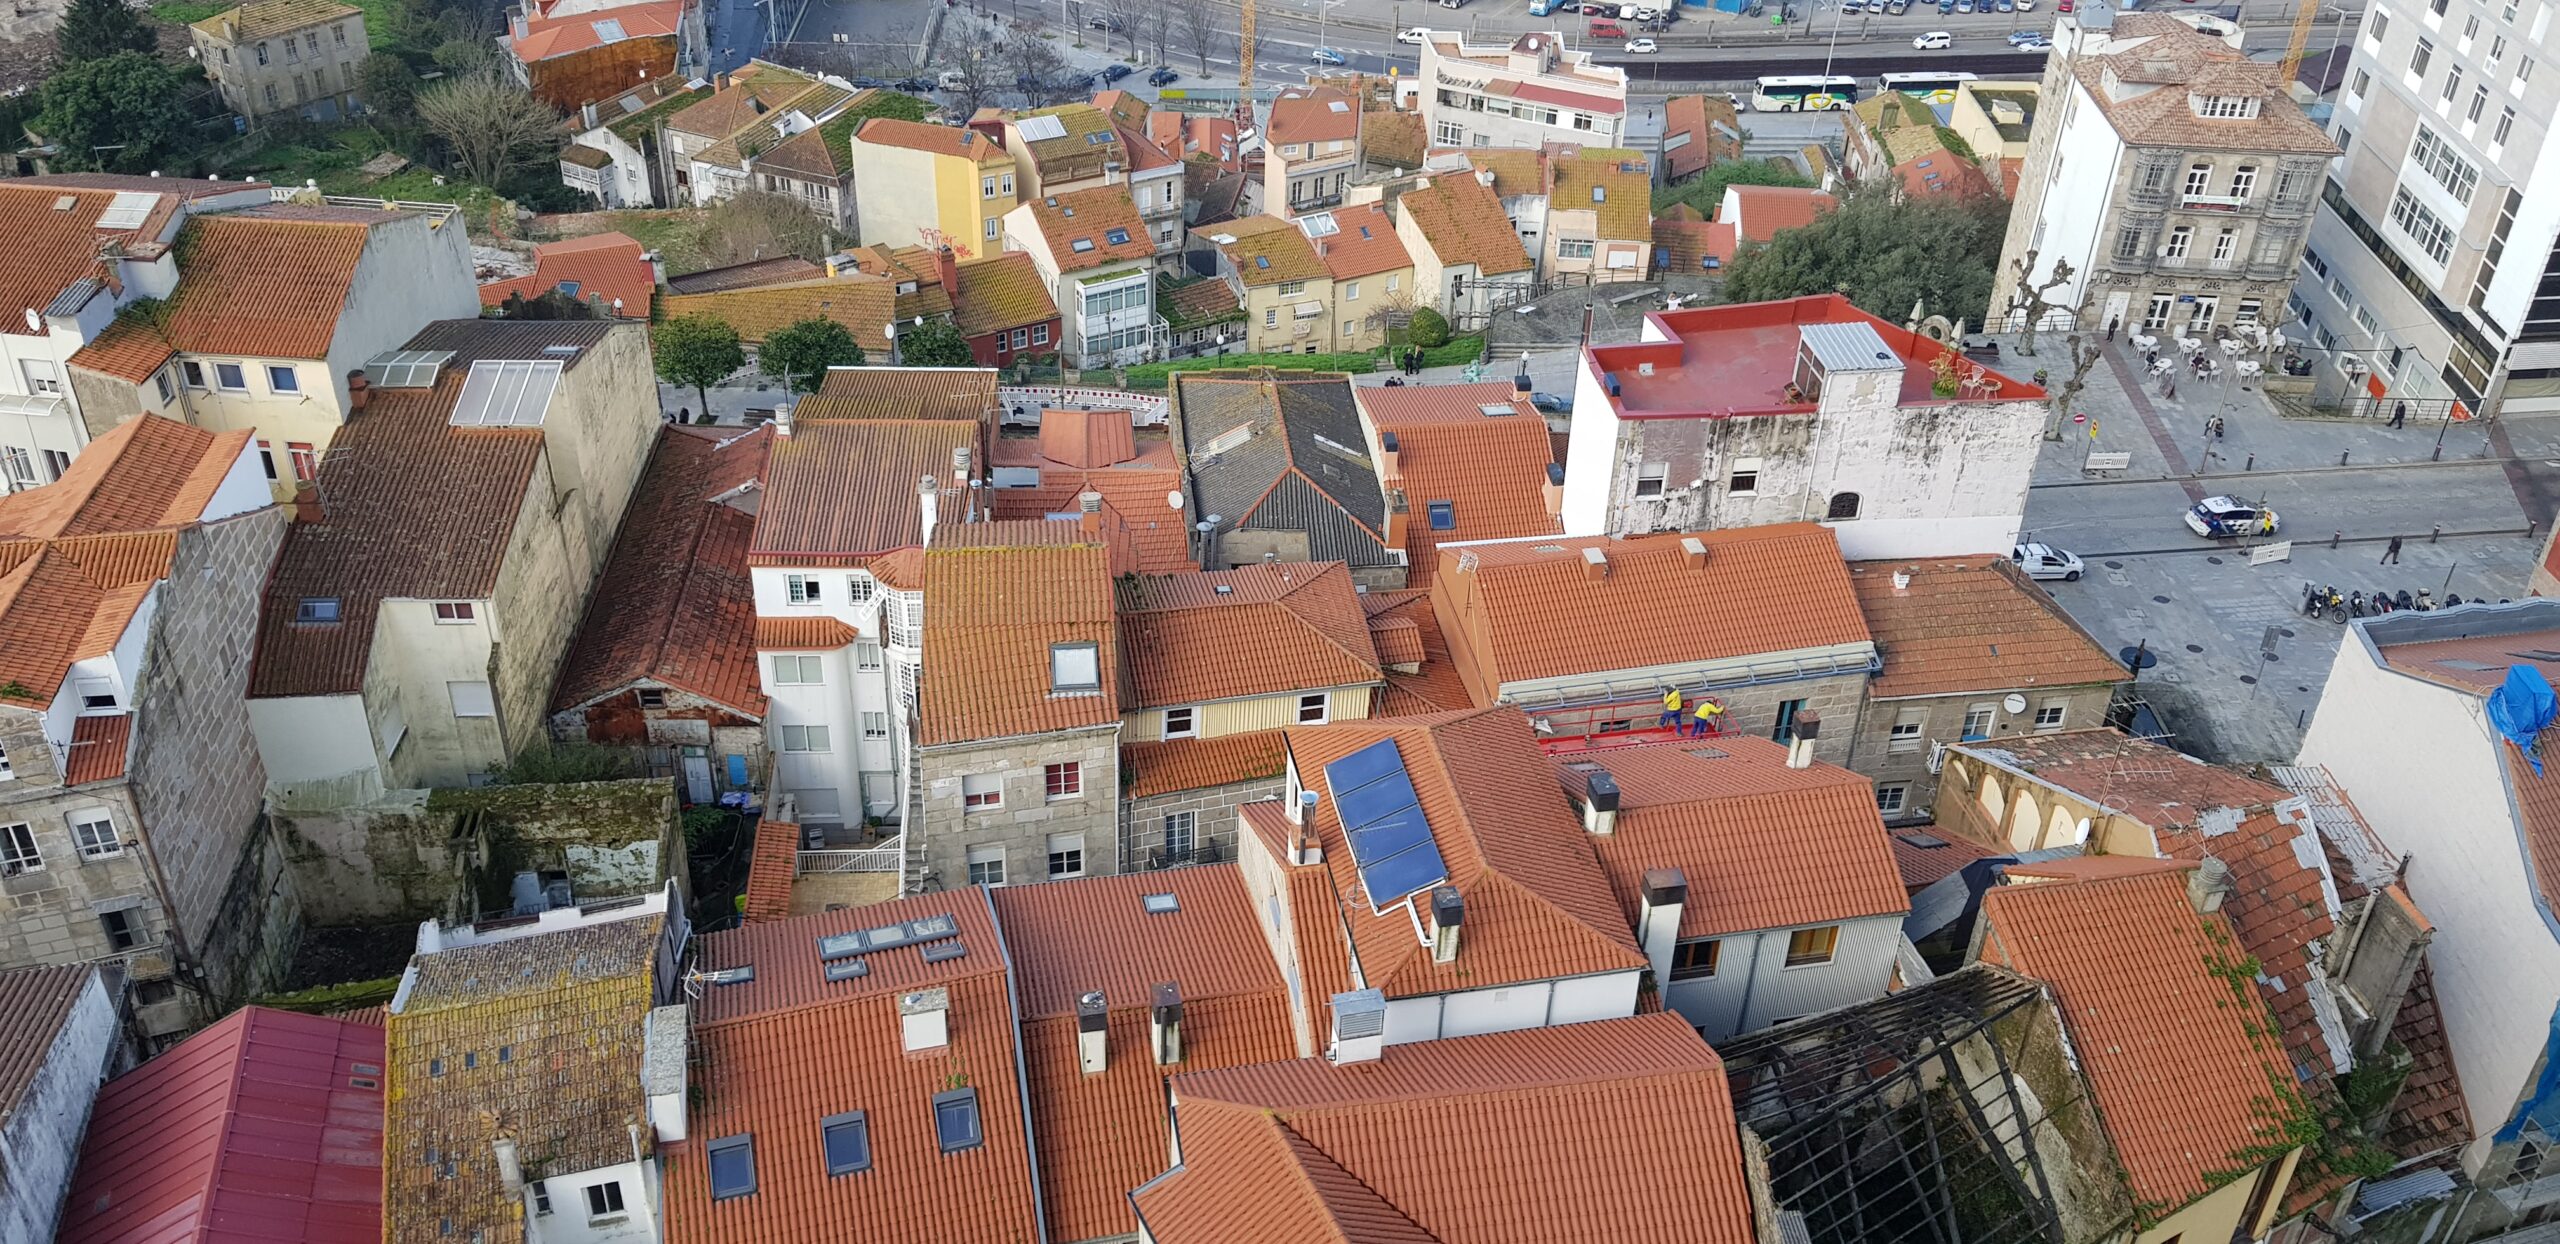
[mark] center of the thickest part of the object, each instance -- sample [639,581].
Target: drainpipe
[1758,941]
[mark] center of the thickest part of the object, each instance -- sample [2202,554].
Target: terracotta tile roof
[1491,472]
[1091,217]
[1681,245]
[252,22]
[38,1003]
[2429,1115]
[967,393]
[267,282]
[417,508]
[1364,243]
[69,599]
[1463,221]
[569,1009]
[790,1048]
[804,634]
[142,474]
[2173,56]
[2449,662]
[779,270]
[52,248]
[863,304]
[267,1125]
[1180,634]
[1615,185]
[1323,114]
[946,140]
[1088,140]
[1764,212]
[1972,624]
[1000,293]
[98,749]
[1925,858]
[1133,502]
[1516,170]
[1768,589]
[1538,905]
[602,269]
[675,604]
[547,37]
[1765,846]
[1161,768]
[772,865]
[1197,301]
[1391,139]
[129,349]
[992,616]
[1437,686]
[1694,129]
[1088,438]
[2169,1038]
[755,89]
[913,269]
[2158,787]
[1398,640]
[1267,250]
[846,488]
[1615,1132]
[1101,1135]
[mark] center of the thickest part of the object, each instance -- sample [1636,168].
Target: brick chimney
[1808,727]
[359,390]
[1552,491]
[1399,516]
[1390,459]
[947,270]
[1089,512]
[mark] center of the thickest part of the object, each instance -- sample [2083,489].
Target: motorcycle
[2355,603]
[2451,599]
[2425,602]
[2402,601]
[2381,602]
[2312,600]
[2337,606]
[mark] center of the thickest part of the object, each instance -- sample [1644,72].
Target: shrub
[1428,328]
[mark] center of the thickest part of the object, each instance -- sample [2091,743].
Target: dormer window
[1075,669]
[2227,107]
[316,610]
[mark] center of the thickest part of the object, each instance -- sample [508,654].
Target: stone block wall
[1213,831]
[1943,722]
[1021,827]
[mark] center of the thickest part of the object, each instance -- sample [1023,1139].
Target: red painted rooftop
[1730,361]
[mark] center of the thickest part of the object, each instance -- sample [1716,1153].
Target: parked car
[1946,8]
[1603,28]
[1413,34]
[1640,46]
[1964,6]
[2004,6]
[952,80]
[1851,8]
[1163,75]
[2017,37]
[2043,561]
[1933,39]
[1896,8]
[1104,22]
[1552,403]
[2221,517]
[1115,73]
[2026,6]
[1328,56]
[873,84]
[2061,6]
[2037,44]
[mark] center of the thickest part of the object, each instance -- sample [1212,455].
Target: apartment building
[709,144]
[1528,93]
[1060,149]
[2425,281]
[1094,254]
[2174,175]
[284,58]
[1155,173]
[1462,244]
[1003,307]
[617,153]
[1310,149]
[916,183]
[1460,462]
[1599,217]
[1282,285]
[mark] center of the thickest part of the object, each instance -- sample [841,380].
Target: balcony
[2172,261]
[2232,204]
[885,858]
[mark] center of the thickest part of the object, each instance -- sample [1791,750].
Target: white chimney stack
[1164,1024]
[1359,1026]
[1666,895]
[1093,1023]
[928,500]
[1599,803]
[924,1019]
[510,1169]
[1808,727]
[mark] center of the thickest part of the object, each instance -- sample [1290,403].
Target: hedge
[1158,375]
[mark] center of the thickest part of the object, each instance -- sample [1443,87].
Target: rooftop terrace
[1743,360]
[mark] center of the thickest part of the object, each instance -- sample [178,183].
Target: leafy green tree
[700,351]
[1883,254]
[800,354]
[936,344]
[122,112]
[1428,329]
[389,88]
[1705,192]
[98,29]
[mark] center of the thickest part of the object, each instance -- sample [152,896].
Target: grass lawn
[676,234]
[377,15]
[336,166]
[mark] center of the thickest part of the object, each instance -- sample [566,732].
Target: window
[1785,729]
[2420,57]
[305,459]
[19,466]
[282,379]
[733,1167]
[1745,479]
[804,739]
[847,1139]
[1844,506]
[875,725]
[194,373]
[18,851]
[866,654]
[6,773]
[994,224]
[1807,947]
[1449,134]
[2179,239]
[803,589]
[859,588]
[1004,184]
[1573,248]
[1890,799]
[986,866]
[97,693]
[2422,225]
[2506,124]
[453,611]
[1182,723]
[1444,516]
[651,697]
[1066,855]
[2049,715]
[1271,317]
[2363,84]
[1905,735]
[955,1120]
[340,33]
[56,463]
[271,87]
[2524,70]
[798,671]
[262,59]
[2199,179]
[471,699]
[1351,291]
[2452,83]
[94,832]
[1040,334]
[1064,780]
[2479,104]
[316,610]
[1695,960]
[1652,479]
[1292,287]
[2244,181]
[122,927]
[541,1199]
[1180,834]
[41,376]
[604,1200]
[1315,708]
[2227,107]
[2432,153]
[980,792]
[230,377]
[267,459]
[2129,242]
[1075,669]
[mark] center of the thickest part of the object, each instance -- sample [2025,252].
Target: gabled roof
[1363,243]
[1488,470]
[1161,768]
[1764,846]
[1320,114]
[1283,452]
[1434,688]
[267,282]
[1538,905]
[675,604]
[267,1125]
[1614,1132]
[1462,220]
[143,474]
[607,270]
[1613,184]
[2175,58]
[1133,476]
[1391,139]
[546,37]
[267,18]
[1182,634]
[1001,292]
[1091,217]
[2176,1046]
[757,88]
[1957,624]
[943,140]
[914,270]
[1083,133]
[37,1003]
[965,393]
[864,304]
[2282,900]
[779,270]
[992,618]
[54,239]
[1694,129]
[1268,250]
[1763,212]
[841,490]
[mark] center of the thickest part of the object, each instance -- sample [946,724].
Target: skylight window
[1116,237]
[1262,261]
[1160,904]
[1080,245]
[733,1167]
[848,1143]
[1074,669]
[316,610]
[1444,516]
[955,1120]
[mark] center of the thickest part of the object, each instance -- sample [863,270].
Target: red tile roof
[1181,634]
[812,634]
[99,746]
[1954,624]
[999,293]
[1321,114]
[1490,471]
[1163,767]
[265,1126]
[1764,846]
[1090,216]
[1087,438]
[603,269]
[267,282]
[547,37]
[2159,787]
[1763,212]
[1463,221]
[50,246]
[946,140]
[1926,858]
[2283,900]
[1437,687]
[675,605]
[1700,125]
[1618,1132]
[771,868]
[1133,502]
[146,472]
[128,349]
[841,490]
[2170,1033]
[1363,243]
[995,615]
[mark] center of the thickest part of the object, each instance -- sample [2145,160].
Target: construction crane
[2303,12]
[1244,70]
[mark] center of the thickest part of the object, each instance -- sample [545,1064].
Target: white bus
[1928,88]
[1804,93]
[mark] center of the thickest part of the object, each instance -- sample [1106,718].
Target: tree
[700,351]
[1204,29]
[551,304]
[1038,67]
[1883,254]
[2084,356]
[121,112]
[98,29]
[760,224]
[935,344]
[492,125]
[1428,329]
[389,86]
[1123,18]
[2028,298]
[800,354]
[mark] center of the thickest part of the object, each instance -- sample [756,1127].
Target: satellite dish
[2014,702]
[2080,832]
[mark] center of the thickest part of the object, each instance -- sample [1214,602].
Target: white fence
[888,857]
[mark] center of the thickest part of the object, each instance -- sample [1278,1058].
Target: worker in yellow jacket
[1671,708]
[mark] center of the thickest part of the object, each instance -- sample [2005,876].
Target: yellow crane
[2303,12]
[1244,69]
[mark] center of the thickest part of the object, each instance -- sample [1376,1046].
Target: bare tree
[968,84]
[1203,27]
[493,127]
[2084,356]
[1159,32]
[762,225]
[2030,297]
[1036,64]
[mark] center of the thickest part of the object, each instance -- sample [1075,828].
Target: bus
[1803,93]
[1928,88]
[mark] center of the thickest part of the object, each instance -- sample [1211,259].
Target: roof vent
[1359,1026]
[924,1019]
[1164,1023]
[1644,369]
[1902,580]
[1599,802]
[1093,1021]
[1595,563]
[1448,912]
[1693,551]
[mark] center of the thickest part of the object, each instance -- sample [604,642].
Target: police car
[2217,517]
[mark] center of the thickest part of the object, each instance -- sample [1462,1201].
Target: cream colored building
[291,58]
[916,184]
[1527,93]
[1310,149]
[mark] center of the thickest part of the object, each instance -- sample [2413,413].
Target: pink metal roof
[1601,104]
[265,1127]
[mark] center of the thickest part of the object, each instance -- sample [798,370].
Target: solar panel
[407,369]
[1362,767]
[506,393]
[610,30]
[1390,837]
[128,210]
[1040,129]
[1375,801]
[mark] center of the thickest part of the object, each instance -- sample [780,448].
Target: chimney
[1359,1026]
[1089,512]
[1448,911]
[1164,1024]
[359,390]
[1600,802]
[721,83]
[928,498]
[1595,564]
[1390,457]
[1399,516]
[1694,552]
[1484,177]
[587,116]
[1666,894]
[510,1169]
[924,1019]
[1553,490]
[2208,885]
[960,483]
[1808,727]
[1093,1021]
[1902,580]
[522,27]
[1298,811]
[946,269]
[782,419]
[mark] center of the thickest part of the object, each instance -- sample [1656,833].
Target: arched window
[1844,505]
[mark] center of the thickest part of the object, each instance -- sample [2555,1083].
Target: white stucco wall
[2077,196]
[567,1223]
[42,1137]
[313,739]
[1592,450]
[1753,988]
[1536,1004]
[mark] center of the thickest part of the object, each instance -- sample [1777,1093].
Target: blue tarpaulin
[2521,708]
[2542,1108]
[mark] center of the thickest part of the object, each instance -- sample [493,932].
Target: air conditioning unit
[1359,1025]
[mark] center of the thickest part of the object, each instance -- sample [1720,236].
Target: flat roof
[1740,360]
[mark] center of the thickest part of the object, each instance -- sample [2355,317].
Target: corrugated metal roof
[1848,347]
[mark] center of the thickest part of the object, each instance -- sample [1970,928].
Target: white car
[2043,561]
[1640,45]
[1414,35]
[1933,39]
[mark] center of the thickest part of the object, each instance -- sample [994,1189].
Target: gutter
[1021,1080]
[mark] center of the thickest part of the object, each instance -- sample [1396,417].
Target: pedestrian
[2391,553]
[1670,709]
[2112,322]
[2217,427]
[2399,414]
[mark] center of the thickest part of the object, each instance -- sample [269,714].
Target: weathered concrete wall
[377,863]
[1021,827]
[1942,721]
[43,1133]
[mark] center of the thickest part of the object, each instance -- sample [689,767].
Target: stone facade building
[285,58]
